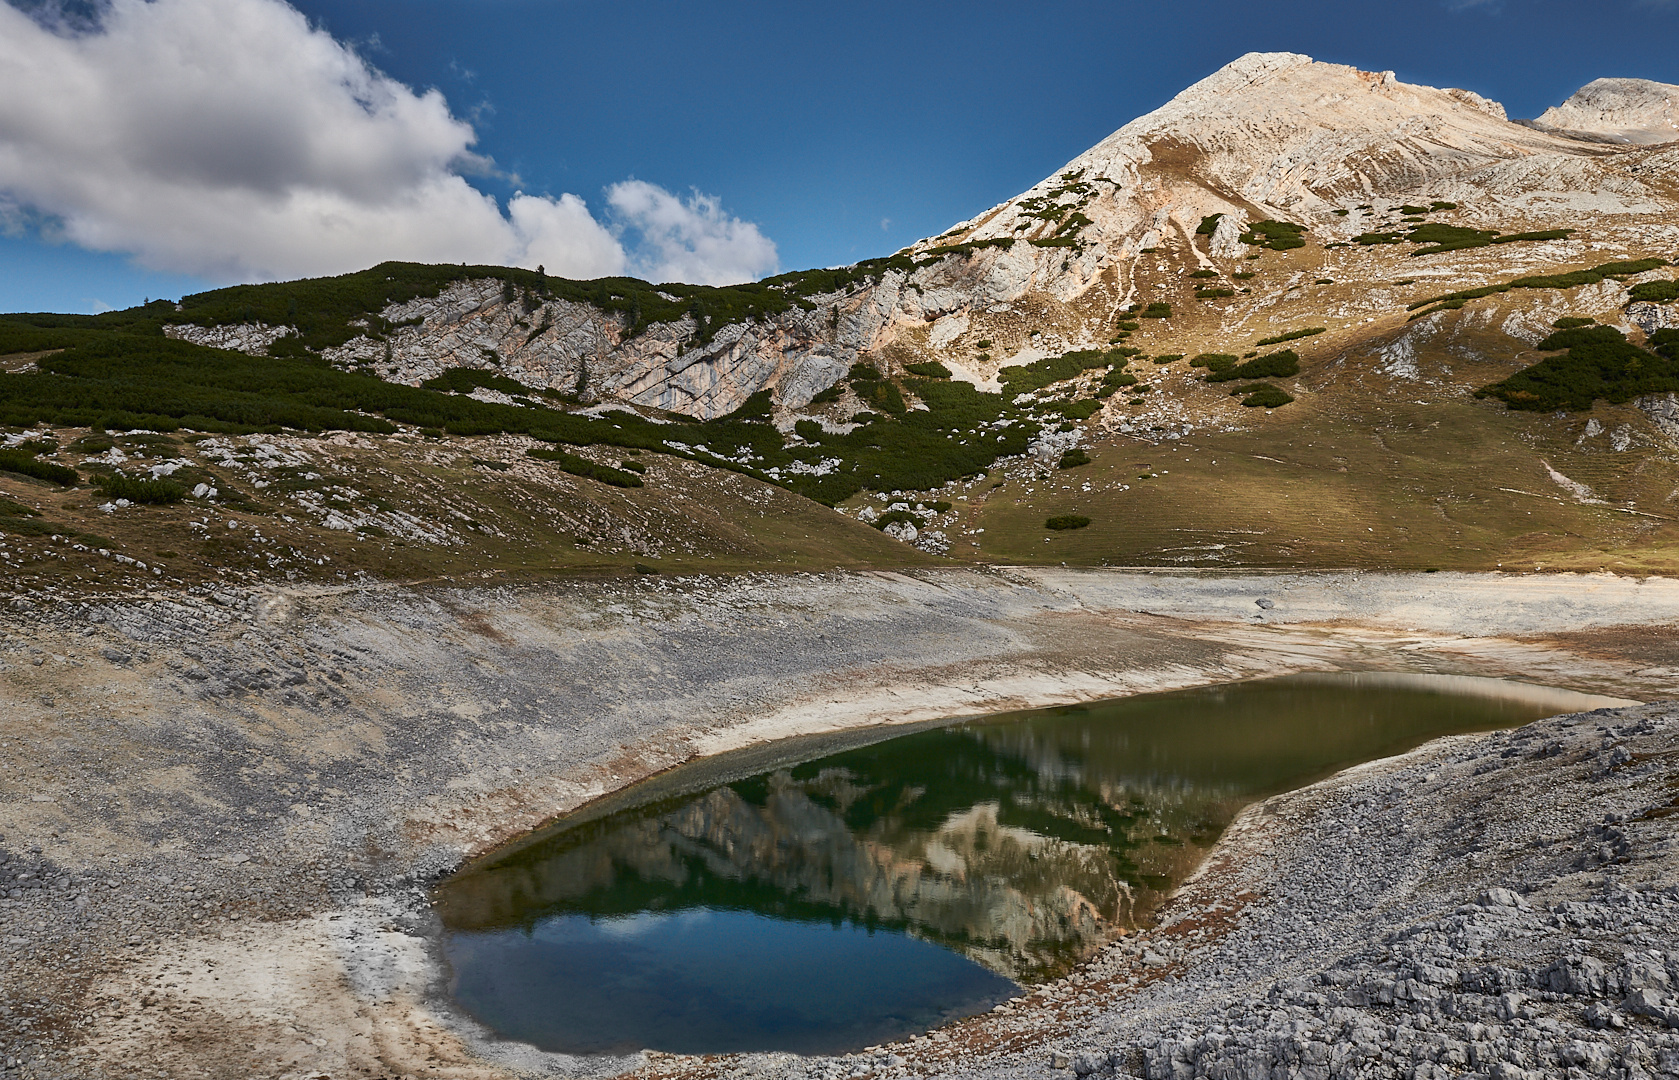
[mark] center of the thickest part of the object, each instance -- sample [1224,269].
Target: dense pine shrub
[1277,365]
[135,490]
[25,463]
[589,470]
[1262,395]
[1599,363]
[1275,235]
[1292,335]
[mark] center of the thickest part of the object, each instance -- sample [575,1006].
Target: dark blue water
[711,981]
[832,898]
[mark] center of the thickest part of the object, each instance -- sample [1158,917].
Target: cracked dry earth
[221,812]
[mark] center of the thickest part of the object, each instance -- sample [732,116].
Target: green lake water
[829,894]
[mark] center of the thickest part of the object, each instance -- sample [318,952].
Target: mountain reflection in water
[1023,842]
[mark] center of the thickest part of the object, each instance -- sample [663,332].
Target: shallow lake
[827,894]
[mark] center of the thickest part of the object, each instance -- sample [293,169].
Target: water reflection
[1021,842]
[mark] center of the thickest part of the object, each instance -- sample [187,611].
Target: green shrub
[1167,358]
[1543,234]
[884,396]
[579,466]
[1245,275]
[25,463]
[632,466]
[833,393]
[1214,294]
[1588,334]
[465,380]
[1262,396]
[932,369]
[1409,209]
[1599,364]
[1126,326]
[1292,335]
[1438,205]
[1204,274]
[1083,409]
[1570,322]
[1214,361]
[1208,225]
[808,430]
[1063,522]
[1572,279]
[1370,238]
[1277,365]
[136,490]
[1157,310]
[1660,292]
[1444,237]
[937,506]
[1072,459]
[1020,378]
[862,370]
[1276,235]
[1004,242]
[983,343]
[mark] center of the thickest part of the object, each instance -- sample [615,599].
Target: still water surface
[821,905]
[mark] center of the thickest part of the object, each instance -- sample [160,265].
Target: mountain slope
[1358,259]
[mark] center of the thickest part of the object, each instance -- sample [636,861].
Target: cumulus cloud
[230,139]
[689,239]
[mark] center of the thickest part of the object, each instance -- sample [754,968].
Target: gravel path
[220,811]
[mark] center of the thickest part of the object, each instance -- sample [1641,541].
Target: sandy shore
[229,805]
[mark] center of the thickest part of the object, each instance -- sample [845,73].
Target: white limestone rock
[1636,111]
[253,338]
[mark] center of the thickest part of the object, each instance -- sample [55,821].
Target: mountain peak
[1271,135]
[1619,110]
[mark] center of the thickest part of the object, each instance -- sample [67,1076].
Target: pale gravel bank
[220,811]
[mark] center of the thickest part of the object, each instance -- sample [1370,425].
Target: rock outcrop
[1620,110]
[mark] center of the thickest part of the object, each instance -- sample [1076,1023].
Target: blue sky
[818,134]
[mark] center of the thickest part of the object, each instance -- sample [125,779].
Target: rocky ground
[220,809]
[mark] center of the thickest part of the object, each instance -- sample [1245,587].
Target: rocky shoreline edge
[221,811]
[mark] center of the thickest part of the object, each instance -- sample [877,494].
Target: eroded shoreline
[308,762]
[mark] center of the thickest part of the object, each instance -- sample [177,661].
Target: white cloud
[689,239]
[229,139]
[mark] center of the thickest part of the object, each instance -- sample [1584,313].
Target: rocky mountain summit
[1623,110]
